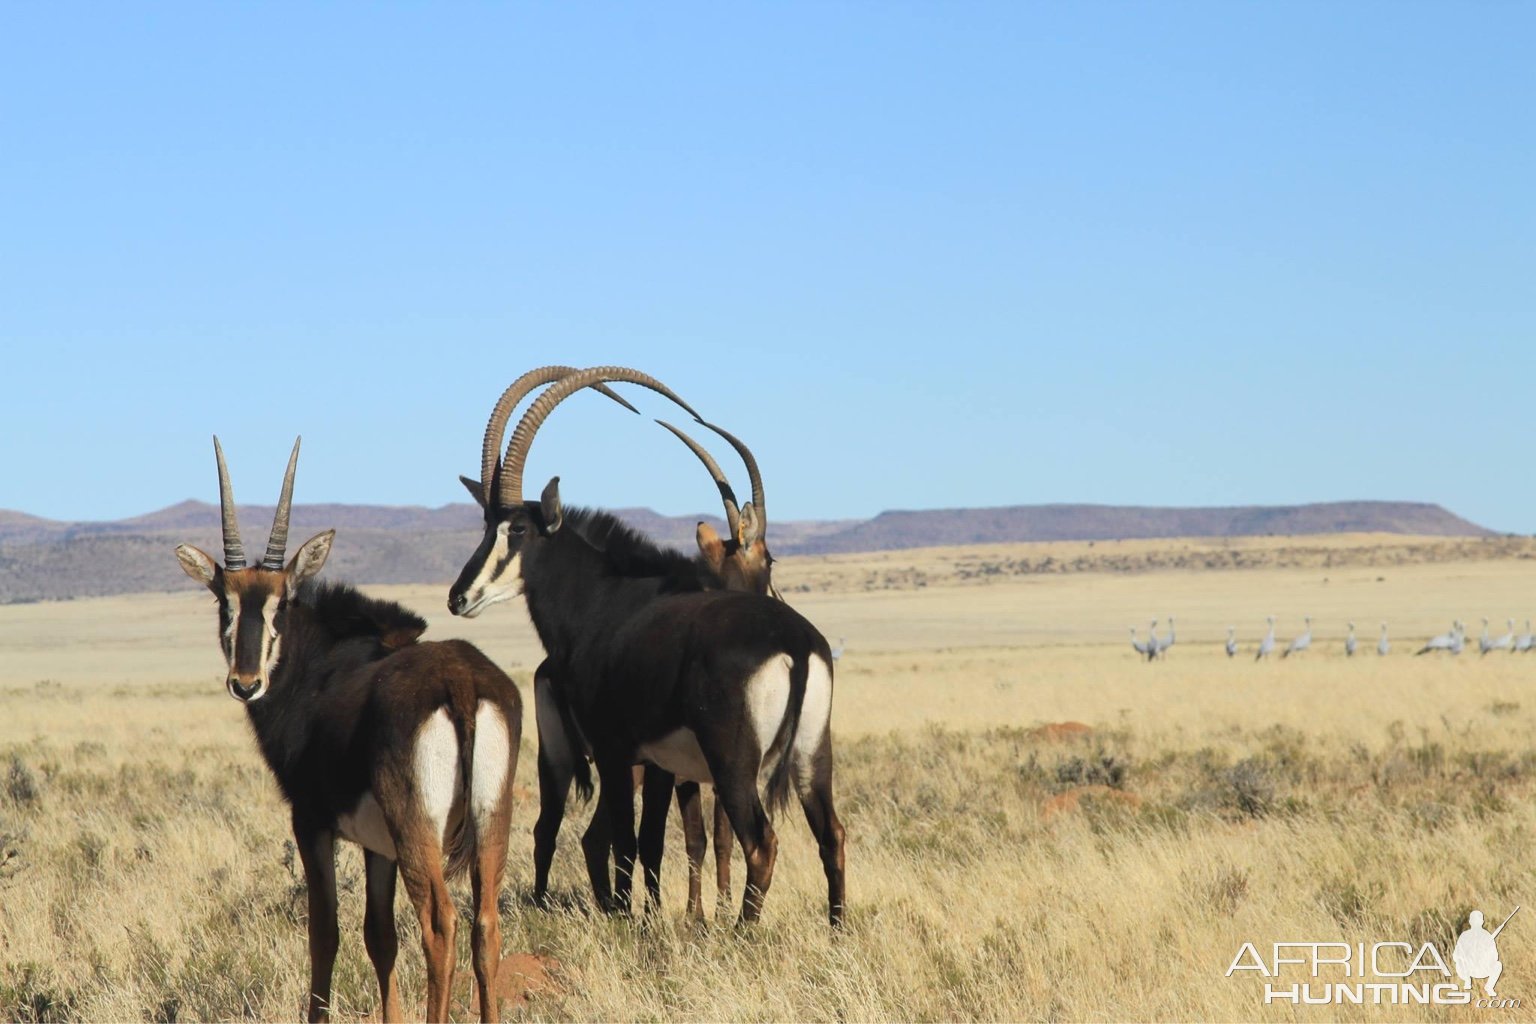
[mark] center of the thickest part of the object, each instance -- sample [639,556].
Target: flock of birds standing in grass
[1451,642]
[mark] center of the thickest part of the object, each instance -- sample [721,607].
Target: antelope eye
[519,528]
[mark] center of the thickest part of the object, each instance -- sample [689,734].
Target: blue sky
[917,255]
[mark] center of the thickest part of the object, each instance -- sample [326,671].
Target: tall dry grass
[995,871]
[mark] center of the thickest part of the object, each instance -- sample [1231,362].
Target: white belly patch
[365,826]
[678,752]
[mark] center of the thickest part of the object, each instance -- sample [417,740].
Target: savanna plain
[1041,826]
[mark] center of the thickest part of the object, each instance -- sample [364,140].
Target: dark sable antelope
[739,562]
[407,749]
[562,751]
[659,666]
[743,563]
[562,755]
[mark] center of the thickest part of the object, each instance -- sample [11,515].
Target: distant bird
[1460,639]
[1383,646]
[1268,643]
[1505,642]
[1349,642]
[1301,643]
[1231,641]
[1525,640]
[1162,648]
[1484,645]
[1444,642]
[837,652]
[1141,648]
[1153,650]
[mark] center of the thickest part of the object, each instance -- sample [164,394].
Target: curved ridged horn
[727,495]
[510,491]
[496,427]
[758,501]
[277,544]
[234,553]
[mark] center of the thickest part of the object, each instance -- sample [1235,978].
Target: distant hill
[42,559]
[947,527]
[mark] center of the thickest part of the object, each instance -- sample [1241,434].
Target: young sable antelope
[407,749]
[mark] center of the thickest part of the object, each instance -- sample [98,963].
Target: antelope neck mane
[627,551]
[344,613]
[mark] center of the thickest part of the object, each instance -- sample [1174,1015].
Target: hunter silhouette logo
[1477,953]
[1392,973]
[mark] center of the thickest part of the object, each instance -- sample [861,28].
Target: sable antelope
[712,685]
[562,749]
[739,562]
[743,563]
[407,749]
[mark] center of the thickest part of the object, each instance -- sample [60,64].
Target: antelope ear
[549,506]
[475,488]
[750,530]
[198,565]
[710,545]
[309,560]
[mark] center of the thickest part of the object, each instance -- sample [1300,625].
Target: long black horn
[234,554]
[727,495]
[496,427]
[277,544]
[758,501]
[510,491]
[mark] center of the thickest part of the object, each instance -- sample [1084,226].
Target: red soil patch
[1072,799]
[1055,732]
[525,976]
[520,978]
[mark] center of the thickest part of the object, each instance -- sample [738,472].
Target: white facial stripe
[270,641]
[500,577]
[234,624]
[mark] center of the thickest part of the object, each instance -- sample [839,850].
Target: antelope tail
[581,766]
[459,846]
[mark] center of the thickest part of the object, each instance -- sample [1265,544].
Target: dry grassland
[996,870]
